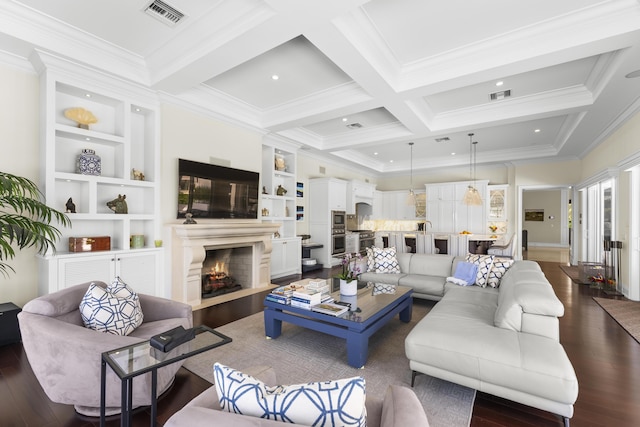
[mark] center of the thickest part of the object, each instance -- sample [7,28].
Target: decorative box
[89,163]
[89,244]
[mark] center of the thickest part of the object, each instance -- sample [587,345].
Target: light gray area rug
[300,355]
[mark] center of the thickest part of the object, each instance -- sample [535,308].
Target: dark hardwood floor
[605,357]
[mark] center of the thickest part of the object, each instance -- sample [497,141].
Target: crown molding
[16,62]
[46,33]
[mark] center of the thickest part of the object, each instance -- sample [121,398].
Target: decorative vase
[89,163]
[348,288]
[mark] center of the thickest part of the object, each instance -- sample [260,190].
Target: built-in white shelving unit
[125,137]
[279,171]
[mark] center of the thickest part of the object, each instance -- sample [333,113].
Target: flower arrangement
[350,267]
[600,281]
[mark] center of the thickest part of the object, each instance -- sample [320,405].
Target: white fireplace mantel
[189,243]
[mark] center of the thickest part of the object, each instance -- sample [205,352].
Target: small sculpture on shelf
[264,190]
[137,175]
[265,212]
[189,219]
[119,204]
[280,165]
[82,117]
[281,191]
[71,207]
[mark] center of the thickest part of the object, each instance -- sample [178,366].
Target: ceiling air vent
[443,139]
[164,13]
[495,96]
[354,125]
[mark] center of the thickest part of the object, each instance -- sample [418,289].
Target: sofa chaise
[503,341]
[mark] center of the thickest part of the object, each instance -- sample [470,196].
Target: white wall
[19,148]
[547,232]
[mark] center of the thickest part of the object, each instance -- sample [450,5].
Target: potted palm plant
[25,221]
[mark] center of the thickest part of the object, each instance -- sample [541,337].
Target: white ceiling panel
[406,70]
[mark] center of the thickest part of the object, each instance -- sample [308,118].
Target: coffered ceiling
[357,80]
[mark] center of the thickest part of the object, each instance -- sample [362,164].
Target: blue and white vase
[89,163]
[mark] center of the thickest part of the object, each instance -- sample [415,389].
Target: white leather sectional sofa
[502,341]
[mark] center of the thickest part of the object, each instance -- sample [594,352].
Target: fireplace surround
[189,243]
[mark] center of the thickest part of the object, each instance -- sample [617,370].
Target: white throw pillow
[329,403]
[498,269]
[385,260]
[115,310]
[484,263]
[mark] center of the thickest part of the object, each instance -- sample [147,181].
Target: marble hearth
[189,244]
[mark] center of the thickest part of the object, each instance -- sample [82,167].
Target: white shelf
[286,253]
[125,136]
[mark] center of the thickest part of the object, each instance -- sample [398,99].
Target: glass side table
[136,359]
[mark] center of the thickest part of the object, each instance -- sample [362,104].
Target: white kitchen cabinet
[448,214]
[325,195]
[497,202]
[140,269]
[392,205]
[286,257]
[125,137]
[337,195]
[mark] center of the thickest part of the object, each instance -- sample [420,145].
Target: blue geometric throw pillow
[498,269]
[115,310]
[385,260]
[329,403]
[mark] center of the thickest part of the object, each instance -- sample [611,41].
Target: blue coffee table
[356,327]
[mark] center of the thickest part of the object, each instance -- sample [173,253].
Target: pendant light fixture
[471,196]
[411,197]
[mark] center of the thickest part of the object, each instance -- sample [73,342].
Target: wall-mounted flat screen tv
[216,192]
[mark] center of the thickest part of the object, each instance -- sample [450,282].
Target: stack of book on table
[302,294]
[306,298]
[330,308]
[281,294]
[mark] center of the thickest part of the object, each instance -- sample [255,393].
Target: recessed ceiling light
[633,74]
[375,154]
[138,109]
[88,95]
[499,83]
[453,154]
[537,130]
[344,119]
[87,139]
[275,77]
[391,161]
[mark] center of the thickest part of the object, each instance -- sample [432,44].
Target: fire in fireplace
[216,276]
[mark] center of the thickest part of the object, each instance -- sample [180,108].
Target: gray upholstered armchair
[66,356]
